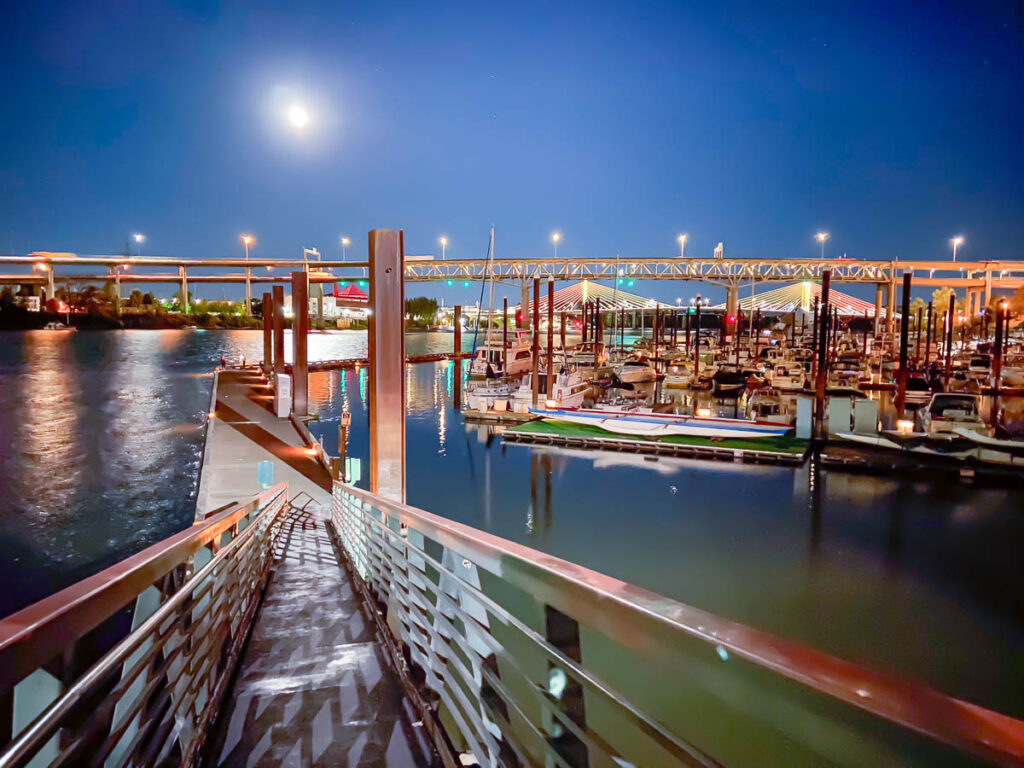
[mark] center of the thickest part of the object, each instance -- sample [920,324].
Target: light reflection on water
[99,446]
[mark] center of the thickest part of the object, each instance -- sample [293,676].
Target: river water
[100,435]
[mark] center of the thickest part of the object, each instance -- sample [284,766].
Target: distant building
[31,303]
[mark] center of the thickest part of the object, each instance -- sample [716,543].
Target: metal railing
[147,694]
[531,660]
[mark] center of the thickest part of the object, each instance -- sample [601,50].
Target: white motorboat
[949,411]
[568,391]
[489,358]
[679,375]
[589,354]
[488,395]
[764,406]
[787,376]
[646,423]
[57,326]
[635,371]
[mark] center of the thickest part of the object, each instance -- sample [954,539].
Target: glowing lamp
[905,426]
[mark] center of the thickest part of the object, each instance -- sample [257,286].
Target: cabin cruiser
[950,411]
[679,375]
[489,358]
[635,371]
[644,422]
[767,406]
[569,390]
[488,395]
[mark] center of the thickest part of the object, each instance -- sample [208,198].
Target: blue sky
[893,126]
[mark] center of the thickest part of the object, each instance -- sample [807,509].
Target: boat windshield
[946,405]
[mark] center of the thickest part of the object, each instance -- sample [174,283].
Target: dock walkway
[313,688]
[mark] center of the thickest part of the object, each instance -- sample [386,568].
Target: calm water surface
[100,437]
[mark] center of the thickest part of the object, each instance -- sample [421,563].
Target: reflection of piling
[901,381]
[822,372]
[458,356]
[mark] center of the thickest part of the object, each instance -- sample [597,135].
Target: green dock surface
[792,446]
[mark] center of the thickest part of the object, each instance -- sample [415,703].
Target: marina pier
[305,619]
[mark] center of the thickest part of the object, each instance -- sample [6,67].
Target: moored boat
[646,423]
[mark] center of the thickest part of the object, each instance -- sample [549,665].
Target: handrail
[613,607]
[32,636]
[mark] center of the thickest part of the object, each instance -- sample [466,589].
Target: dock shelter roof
[572,298]
[801,296]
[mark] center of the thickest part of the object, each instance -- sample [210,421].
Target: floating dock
[358,362]
[496,417]
[765,450]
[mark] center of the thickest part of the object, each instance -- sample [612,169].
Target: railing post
[387,364]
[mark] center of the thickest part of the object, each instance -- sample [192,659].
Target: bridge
[310,622]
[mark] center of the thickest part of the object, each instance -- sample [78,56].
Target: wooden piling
[822,371]
[535,378]
[551,338]
[457,345]
[901,381]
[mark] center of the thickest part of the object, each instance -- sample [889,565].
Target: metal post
[300,341]
[822,372]
[504,337]
[901,381]
[278,294]
[268,333]
[535,378]
[457,343]
[387,364]
[551,337]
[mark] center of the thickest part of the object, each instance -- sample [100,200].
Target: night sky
[893,126]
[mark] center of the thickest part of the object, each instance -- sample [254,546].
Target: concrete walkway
[313,687]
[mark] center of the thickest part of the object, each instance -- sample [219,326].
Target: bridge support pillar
[387,364]
[988,285]
[523,318]
[300,341]
[184,289]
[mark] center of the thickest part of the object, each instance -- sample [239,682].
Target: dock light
[905,426]
[41,266]
[212,414]
[704,412]
[551,403]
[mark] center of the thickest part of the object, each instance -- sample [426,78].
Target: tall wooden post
[696,345]
[457,380]
[917,342]
[598,335]
[814,340]
[268,333]
[687,332]
[901,381]
[300,341]
[622,329]
[822,372]
[278,294]
[535,378]
[949,337]
[584,320]
[504,337]
[928,338]
[997,361]
[387,364]
[551,338]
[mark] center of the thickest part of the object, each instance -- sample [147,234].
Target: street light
[345,242]
[139,240]
[682,246]
[821,237]
[555,237]
[958,240]
[444,244]
[248,240]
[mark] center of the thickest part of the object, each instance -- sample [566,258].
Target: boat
[949,411]
[588,354]
[729,381]
[679,375]
[767,406]
[643,422]
[489,358]
[57,326]
[919,391]
[635,371]
[787,376]
[568,391]
[488,395]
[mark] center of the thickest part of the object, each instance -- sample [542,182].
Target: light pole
[821,237]
[345,242]
[247,240]
[555,237]
[958,240]
[444,245]
[682,246]
[139,240]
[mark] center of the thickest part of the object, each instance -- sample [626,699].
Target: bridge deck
[313,687]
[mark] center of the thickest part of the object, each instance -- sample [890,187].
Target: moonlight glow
[298,116]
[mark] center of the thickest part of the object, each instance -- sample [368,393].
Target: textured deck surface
[313,688]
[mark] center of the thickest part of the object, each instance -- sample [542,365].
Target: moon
[298,116]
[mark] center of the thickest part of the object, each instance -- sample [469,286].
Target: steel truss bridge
[42,268]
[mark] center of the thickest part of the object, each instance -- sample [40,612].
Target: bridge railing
[532,660]
[128,667]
